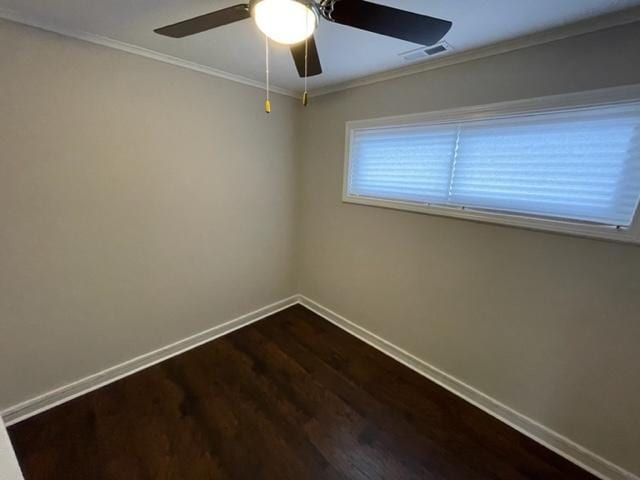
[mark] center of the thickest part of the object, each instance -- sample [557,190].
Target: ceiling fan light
[285,21]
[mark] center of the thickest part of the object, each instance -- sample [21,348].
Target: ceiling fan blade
[313,60]
[409,26]
[206,21]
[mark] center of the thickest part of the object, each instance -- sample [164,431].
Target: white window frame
[608,96]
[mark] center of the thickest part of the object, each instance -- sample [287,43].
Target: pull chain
[267,102]
[305,95]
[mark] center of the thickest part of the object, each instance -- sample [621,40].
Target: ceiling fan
[291,22]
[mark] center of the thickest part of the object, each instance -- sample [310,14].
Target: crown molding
[602,22]
[136,50]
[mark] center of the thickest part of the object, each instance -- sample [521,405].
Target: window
[569,164]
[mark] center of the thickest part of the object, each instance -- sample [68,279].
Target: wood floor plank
[289,397]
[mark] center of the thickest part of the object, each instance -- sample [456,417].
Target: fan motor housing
[315,7]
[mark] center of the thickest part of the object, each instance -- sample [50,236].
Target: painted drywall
[547,324]
[140,203]
[9,469]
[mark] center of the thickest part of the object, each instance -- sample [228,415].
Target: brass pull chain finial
[267,102]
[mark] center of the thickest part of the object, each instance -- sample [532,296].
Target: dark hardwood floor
[289,397]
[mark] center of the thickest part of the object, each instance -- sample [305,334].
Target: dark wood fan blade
[389,21]
[313,60]
[206,22]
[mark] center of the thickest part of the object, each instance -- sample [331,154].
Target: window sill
[565,227]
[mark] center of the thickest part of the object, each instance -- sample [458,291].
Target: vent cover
[426,52]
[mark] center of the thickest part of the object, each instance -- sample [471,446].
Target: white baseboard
[568,449]
[79,387]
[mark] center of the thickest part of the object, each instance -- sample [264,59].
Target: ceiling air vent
[426,52]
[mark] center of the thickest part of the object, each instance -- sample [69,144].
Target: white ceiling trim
[144,52]
[586,26]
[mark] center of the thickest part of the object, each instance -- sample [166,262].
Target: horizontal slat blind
[581,165]
[403,163]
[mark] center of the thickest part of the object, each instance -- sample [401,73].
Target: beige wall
[9,468]
[547,324]
[140,203]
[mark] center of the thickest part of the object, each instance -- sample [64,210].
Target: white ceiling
[346,53]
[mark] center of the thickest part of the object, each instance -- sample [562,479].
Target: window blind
[404,163]
[581,164]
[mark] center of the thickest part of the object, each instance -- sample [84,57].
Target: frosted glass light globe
[285,21]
